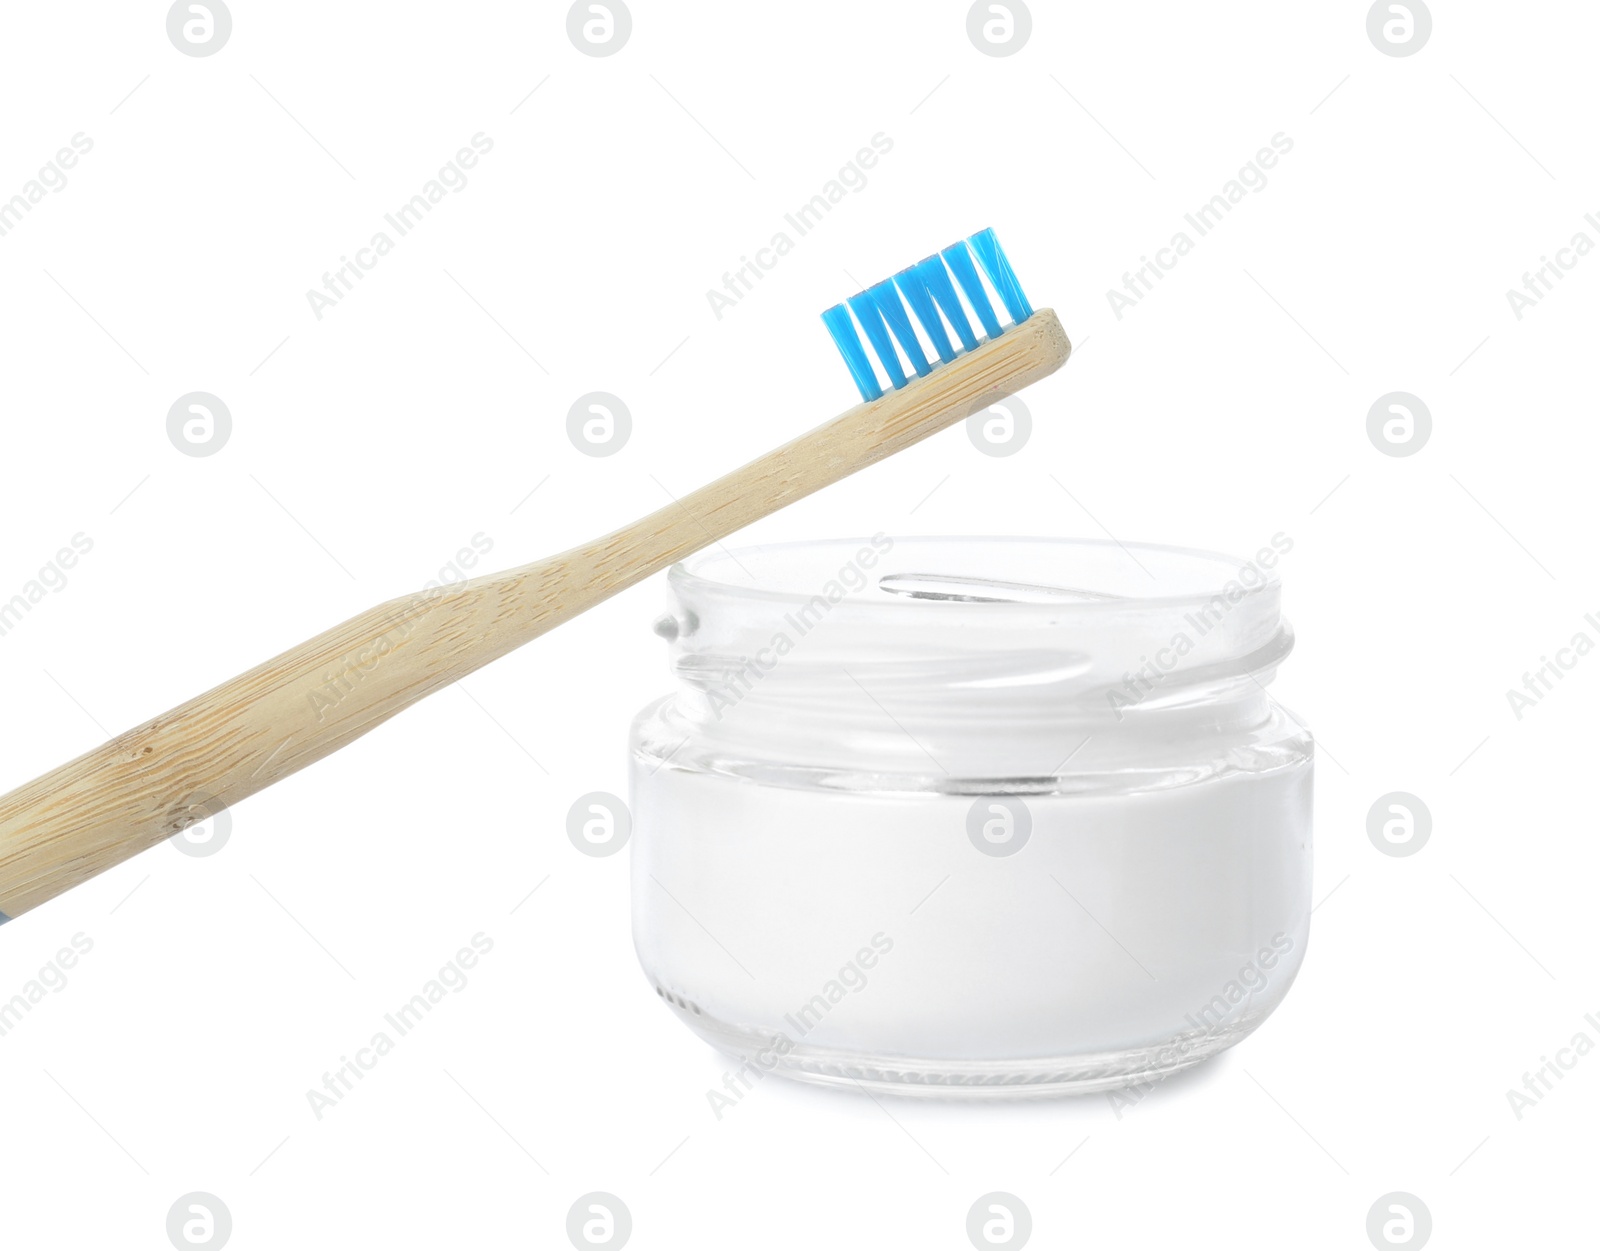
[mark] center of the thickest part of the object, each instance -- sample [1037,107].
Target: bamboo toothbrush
[187,764]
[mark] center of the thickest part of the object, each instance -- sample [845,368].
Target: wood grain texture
[221,747]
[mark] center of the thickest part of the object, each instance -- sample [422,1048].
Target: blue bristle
[993,259]
[888,303]
[843,330]
[959,259]
[915,288]
[866,311]
[933,272]
[928,290]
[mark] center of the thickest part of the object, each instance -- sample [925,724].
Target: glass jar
[972,816]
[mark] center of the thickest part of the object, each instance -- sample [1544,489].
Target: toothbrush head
[925,296]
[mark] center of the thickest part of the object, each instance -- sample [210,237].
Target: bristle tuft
[993,259]
[959,258]
[866,310]
[937,277]
[925,295]
[888,302]
[913,285]
[843,330]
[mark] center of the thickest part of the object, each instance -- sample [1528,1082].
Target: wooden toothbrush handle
[221,747]
[206,754]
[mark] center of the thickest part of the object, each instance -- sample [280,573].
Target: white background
[369,446]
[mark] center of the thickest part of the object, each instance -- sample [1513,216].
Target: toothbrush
[221,747]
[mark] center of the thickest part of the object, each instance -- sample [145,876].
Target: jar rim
[792,660]
[747,574]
